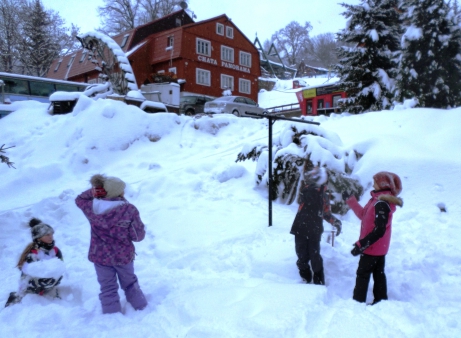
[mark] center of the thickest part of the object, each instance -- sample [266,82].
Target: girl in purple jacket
[115,225]
[375,234]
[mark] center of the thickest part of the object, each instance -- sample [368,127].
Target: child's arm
[137,229]
[85,202]
[355,206]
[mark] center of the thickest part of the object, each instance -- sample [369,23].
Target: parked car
[192,104]
[237,105]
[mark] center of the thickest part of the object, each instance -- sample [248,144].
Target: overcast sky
[261,17]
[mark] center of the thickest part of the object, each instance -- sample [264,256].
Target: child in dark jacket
[115,225]
[375,234]
[40,272]
[308,225]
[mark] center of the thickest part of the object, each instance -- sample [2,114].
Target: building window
[178,22]
[230,32]
[85,52]
[244,86]
[170,41]
[245,59]
[203,47]
[227,54]
[161,71]
[219,29]
[71,61]
[227,82]
[172,70]
[57,65]
[203,77]
[125,40]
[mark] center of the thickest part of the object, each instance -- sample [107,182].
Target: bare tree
[118,16]
[322,50]
[291,40]
[155,9]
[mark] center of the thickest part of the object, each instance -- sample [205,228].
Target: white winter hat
[114,186]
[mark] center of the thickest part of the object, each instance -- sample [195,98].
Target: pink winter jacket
[367,215]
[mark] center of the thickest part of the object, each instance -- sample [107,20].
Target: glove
[338,225]
[356,250]
[346,194]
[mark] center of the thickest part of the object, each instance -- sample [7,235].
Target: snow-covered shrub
[298,149]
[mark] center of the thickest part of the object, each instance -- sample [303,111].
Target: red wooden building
[323,98]
[204,57]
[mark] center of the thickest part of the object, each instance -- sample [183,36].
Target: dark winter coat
[314,208]
[376,217]
[112,232]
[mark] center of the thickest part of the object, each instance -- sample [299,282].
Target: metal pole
[272,119]
[270,171]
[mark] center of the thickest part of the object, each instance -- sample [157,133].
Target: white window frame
[170,41]
[243,83]
[203,47]
[219,28]
[225,79]
[227,54]
[57,65]
[245,59]
[85,52]
[229,32]
[203,77]
[172,70]
[125,40]
[71,61]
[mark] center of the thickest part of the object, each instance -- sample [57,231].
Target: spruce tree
[38,48]
[430,64]
[367,69]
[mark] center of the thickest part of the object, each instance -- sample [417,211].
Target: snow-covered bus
[16,87]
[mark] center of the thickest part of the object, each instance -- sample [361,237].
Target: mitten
[346,194]
[356,250]
[338,225]
[97,182]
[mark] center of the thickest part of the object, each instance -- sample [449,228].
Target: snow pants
[308,251]
[107,278]
[371,265]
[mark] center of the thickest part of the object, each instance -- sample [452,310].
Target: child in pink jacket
[375,234]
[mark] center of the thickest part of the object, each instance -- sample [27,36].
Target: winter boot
[306,275]
[319,278]
[14,298]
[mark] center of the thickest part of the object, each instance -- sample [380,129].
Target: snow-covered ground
[209,265]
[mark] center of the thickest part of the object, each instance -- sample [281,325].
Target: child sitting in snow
[40,272]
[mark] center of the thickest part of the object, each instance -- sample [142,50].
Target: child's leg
[380,282]
[107,279]
[366,265]
[129,284]
[302,251]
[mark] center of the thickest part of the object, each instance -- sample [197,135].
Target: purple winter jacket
[112,232]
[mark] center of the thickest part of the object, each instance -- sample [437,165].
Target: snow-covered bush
[298,149]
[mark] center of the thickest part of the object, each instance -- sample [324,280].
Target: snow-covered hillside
[209,265]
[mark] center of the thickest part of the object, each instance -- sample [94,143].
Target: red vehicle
[321,100]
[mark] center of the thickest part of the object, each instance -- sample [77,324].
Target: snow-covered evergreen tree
[368,67]
[38,48]
[430,64]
